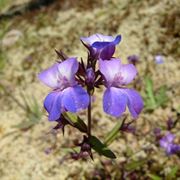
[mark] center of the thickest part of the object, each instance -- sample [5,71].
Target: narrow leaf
[154,177]
[161,97]
[150,98]
[76,121]
[101,148]
[112,135]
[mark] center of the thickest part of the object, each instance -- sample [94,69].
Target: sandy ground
[148,28]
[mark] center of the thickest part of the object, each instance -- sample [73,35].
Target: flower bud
[133,59]
[90,75]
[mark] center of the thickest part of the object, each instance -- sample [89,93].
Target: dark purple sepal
[61,123]
[128,127]
[92,52]
[61,55]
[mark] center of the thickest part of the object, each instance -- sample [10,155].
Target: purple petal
[52,104]
[50,76]
[169,137]
[175,148]
[106,41]
[159,59]
[166,146]
[97,38]
[117,40]
[114,102]
[128,73]
[135,102]
[100,45]
[105,38]
[163,143]
[75,98]
[68,68]
[107,52]
[110,68]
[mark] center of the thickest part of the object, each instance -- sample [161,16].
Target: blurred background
[30,31]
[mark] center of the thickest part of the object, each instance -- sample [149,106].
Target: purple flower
[67,95]
[167,142]
[159,59]
[116,96]
[101,46]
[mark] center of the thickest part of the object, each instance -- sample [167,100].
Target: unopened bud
[90,75]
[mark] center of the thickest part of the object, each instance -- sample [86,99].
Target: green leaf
[161,97]
[172,173]
[76,121]
[101,148]
[32,110]
[150,101]
[112,135]
[154,177]
[154,99]
[134,165]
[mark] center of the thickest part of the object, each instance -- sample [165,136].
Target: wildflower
[101,46]
[159,59]
[167,142]
[116,96]
[67,95]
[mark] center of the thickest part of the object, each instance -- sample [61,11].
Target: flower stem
[89,117]
[89,113]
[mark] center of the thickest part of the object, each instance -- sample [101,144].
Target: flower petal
[117,40]
[52,104]
[68,68]
[135,102]
[75,98]
[169,137]
[128,73]
[100,45]
[97,38]
[107,52]
[163,143]
[106,41]
[114,102]
[50,76]
[109,68]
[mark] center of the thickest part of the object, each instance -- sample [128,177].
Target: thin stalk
[89,118]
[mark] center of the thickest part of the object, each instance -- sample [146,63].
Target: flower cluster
[73,82]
